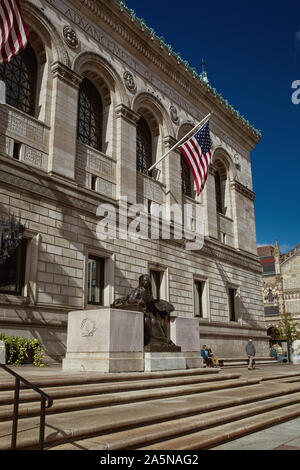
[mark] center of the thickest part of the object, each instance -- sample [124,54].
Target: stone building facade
[281,282]
[102,87]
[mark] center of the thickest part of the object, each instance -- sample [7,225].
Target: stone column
[243,217]
[235,215]
[63,133]
[126,152]
[2,92]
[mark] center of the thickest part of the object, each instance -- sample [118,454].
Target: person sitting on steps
[205,355]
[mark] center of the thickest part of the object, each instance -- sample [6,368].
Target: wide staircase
[177,410]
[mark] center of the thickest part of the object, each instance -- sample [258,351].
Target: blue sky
[252,54]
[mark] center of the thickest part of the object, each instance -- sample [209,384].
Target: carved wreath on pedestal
[88,327]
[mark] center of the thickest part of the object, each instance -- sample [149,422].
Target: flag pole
[181,140]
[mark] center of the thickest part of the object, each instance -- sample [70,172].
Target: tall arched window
[222,189]
[143,147]
[186,182]
[20,77]
[219,197]
[90,111]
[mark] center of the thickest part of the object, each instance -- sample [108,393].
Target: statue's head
[145,281]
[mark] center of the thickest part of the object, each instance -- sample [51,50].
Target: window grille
[90,110]
[186,182]
[20,77]
[12,272]
[218,186]
[143,147]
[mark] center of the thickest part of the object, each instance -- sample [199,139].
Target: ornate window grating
[218,186]
[90,111]
[143,147]
[12,271]
[20,77]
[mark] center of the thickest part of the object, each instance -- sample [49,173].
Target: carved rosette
[129,81]
[174,115]
[70,37]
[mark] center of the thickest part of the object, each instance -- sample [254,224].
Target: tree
[287,328]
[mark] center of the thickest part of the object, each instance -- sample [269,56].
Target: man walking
[250,351]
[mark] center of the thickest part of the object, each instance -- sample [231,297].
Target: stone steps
[243,361]
[178,432]
[134,411]
[68,390]
[209,438]
[113,399]
[81,378]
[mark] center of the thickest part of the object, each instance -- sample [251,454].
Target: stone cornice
[170,141]
[127,113]
[219,251]
[66,74]
[137,38]
[239,187]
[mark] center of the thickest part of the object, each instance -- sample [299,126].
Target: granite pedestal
[155,361]
[185,333]
[105,340]
[112,340]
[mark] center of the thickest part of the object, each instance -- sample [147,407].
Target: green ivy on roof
[177,55]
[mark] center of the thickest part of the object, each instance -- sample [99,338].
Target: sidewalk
[285,436]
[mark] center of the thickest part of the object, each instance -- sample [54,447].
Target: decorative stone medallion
[174,115]
[129,81]
[70,37]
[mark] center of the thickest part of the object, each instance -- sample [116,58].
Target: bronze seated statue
[156,316]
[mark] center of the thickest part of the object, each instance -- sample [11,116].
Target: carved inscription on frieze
[25,127]
[94,161]
[148,189]
[33,157]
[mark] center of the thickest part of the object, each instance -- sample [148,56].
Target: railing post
[15,414]
[42,423]
[44,398]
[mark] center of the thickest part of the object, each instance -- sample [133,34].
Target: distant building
[281,281]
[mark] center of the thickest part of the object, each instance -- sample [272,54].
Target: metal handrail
[44,398]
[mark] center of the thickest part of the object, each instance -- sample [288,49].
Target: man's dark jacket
[250,349]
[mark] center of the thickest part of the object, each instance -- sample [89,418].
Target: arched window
[270,296]
[143,147]
[90,111]
[186,182]
[20,77]
[219,197]
[222,191]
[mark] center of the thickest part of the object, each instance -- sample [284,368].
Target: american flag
[197,151]
[13,30]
